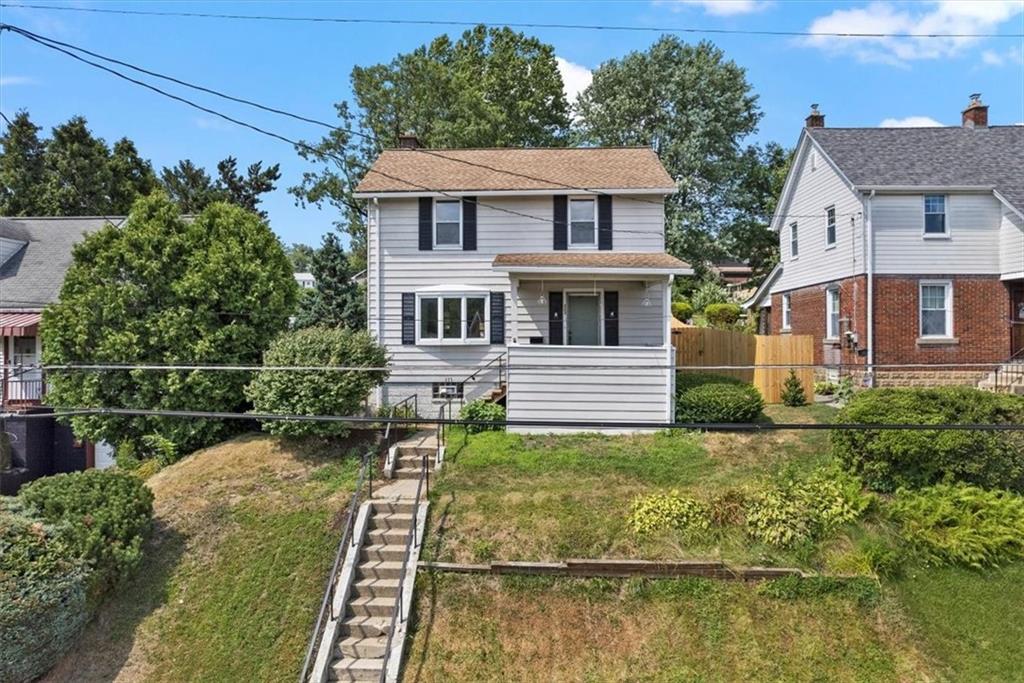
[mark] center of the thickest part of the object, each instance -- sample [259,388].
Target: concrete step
[386,536]
[395,552]
[372,607]
[375,588]
[408,473]
[361,648]
[365,626]
[418,450]
[415,461]
[383,569]
[348,669]
[387,507]
[394,520]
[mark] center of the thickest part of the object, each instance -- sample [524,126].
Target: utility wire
[520,25]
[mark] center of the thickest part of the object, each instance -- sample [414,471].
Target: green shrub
[682,310]
[793,391]
[844,389]
[662,511]
[891,459]
[482,410]
[824,388]
[723,315]
[716,399]
[958,524]
[316,392]
[43,596]
[710,292]
[102,516]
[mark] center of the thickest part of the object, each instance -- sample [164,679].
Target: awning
[20,324]
[592,262]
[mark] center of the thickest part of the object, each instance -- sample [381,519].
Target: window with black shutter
[426,240]
[497,317]
[408,318]
[469,206]
[604,222]
[560,220]
[555,318]
[611,318]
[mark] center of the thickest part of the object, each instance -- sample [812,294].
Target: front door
[1017,317]
[584,319]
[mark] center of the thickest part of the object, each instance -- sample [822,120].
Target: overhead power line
[512,24]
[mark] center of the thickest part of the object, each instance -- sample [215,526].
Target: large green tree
[21,167]
[493,87]
[337,300]
[193,188]
[694,107]
[78,175]
[162,289]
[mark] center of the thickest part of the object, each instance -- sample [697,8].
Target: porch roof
[592,262]
[19,324]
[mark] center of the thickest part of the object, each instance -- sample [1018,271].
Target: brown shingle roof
[591,259]
[474,170]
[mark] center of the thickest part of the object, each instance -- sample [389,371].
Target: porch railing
[1010,373]
[16,388]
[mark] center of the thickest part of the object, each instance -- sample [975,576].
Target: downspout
[379,391]
[869,247]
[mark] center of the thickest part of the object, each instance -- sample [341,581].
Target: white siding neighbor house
[539,275]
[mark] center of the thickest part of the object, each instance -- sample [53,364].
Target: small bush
[728,508]
[891,459]
[718,400]
[482,410]
[682,311]
[963,525]
[316,392]
[43,596]
[824,388]
[710,292]
[723,315]
[793,391]
[103,518]
[662,511]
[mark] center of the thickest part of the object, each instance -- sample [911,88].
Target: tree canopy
[163,289]
[193,189]
[337,300]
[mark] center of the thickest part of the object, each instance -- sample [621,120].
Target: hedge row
[708,398]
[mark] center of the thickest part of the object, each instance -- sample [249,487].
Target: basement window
[446,390]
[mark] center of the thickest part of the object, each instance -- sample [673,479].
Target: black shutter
[497,317]
[469,224]
[426,224]
[561,222]
[555,318]
[611,318]
[408,318]
[604,222]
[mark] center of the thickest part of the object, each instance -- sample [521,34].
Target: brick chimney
[408,141]
[815,119]
[976,114]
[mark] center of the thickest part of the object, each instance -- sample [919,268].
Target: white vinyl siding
[935,304]
[1011,244]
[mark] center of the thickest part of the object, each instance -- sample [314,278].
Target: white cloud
[946,17]
[1014,55]
[721,8]
[911,122]
[575,78]
[6,81]
[211,123]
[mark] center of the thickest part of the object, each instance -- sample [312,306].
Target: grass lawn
[232,578]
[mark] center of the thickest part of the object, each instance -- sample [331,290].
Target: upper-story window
[832,313]
[830,227]
[794,247]
[447,224]
[583,223]
[935,215]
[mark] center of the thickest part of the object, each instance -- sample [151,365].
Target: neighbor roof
[596,261]
[516,169]
[936,157]
[33,275]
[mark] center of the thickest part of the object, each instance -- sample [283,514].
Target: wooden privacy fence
[704,347]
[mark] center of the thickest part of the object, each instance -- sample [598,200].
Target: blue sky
[304,67]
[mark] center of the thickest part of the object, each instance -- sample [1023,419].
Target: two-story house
[538,274]
[902,249]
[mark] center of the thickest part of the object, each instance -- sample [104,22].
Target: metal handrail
[332,580]
[410,537]
[1015,373]
[499,359]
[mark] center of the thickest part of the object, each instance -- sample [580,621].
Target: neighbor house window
[452,318]
[830,226]
[935,214]
[787,311]
[936,309]
[447,224]
[583,223]
[832,313]
[794,248]
[444,390]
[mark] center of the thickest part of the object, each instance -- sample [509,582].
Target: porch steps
[1007,379]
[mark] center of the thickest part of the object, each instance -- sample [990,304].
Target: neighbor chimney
[976,114]
[408,141]
[815,119]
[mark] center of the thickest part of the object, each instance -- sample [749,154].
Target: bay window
[452,318]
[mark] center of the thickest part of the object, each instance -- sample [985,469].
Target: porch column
[667,311]
[514,308]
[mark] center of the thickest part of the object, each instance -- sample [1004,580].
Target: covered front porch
[21,379]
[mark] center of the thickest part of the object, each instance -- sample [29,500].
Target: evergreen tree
[337,300]
[78,175]
[793,391]
[131,177]
[21,168]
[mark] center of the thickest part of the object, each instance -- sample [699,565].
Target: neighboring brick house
[903,247]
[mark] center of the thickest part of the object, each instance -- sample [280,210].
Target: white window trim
[454,247]
[582,245]
[948,284]
[794,228]
[835,226]
[599,292]
[787,312]
[829,312]
[462,340]
[924,218]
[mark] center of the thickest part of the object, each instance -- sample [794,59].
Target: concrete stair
[410,455]
[1009,378]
